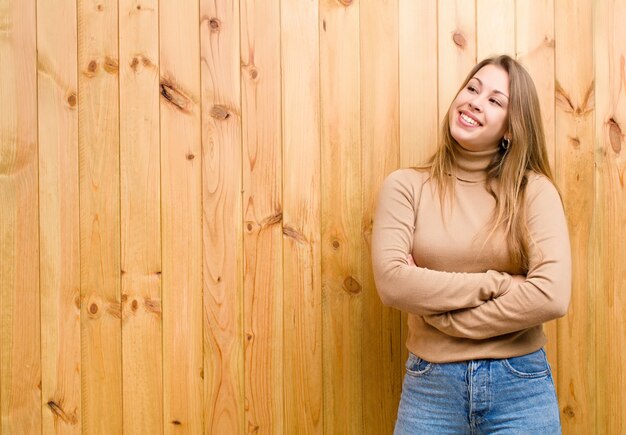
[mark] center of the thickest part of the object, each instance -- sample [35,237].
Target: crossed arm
[413,289]
[543,295]
[472,305]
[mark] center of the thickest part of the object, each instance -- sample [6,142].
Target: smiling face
[478,114]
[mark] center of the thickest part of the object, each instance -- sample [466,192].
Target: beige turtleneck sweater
[464,298]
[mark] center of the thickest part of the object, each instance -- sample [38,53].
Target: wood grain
[342,209]
[200,263]
[575,176]
[419,124]
[610,222]
[263,216]
[380,142]
[303,378]
[140,173]
[456,47]
[59,218]
[181,214]
[419,121]
[222,217]
[495,28]
[20,341]
[98,143]
[534,24]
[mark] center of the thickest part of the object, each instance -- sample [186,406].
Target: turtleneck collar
[472,165]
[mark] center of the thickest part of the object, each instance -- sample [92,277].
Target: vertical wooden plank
[419,122]
[59,217]
[495,28]
[222,217]
[574,172]
[301,218]
[20,340]
[610,223]
[342,243]
[456,47]
[140,217]
[181,214]
[418,81]
[262,202]
[381,346]
[535,50]
[98,141]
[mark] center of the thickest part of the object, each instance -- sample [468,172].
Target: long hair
[507,173]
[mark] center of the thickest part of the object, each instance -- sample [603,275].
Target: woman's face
[478,114]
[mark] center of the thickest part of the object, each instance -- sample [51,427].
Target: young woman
[475,248]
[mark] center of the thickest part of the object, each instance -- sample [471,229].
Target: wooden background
[186,192]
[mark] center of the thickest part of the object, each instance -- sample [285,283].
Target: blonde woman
[475,248]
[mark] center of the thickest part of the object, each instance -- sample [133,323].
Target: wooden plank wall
[186,197]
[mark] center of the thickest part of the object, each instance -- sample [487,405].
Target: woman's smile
[468,120]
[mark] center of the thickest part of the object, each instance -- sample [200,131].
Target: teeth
[468,119]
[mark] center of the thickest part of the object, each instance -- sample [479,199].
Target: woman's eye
[495,101]
[471,89]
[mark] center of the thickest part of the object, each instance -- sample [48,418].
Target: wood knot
[253,72]
[351,285]
[569,411]
[92,67]
[214,25]
[615,135]
[274,219]
[575,141]
[294,234]
[60,413]
[71,99]
[115,309]
[175,96]
[153,306]
[100,7]
[93,309]
[138,7]
[335,244]
[176,422]
[219,112]
[459,39]
[110,65]
[134,305]
[140,59]
[249,336]
[190,156]
[124,297]
[249,226]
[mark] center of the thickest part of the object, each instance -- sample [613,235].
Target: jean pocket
[415,366]
[532,365]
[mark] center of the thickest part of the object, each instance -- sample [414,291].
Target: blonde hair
[507,173]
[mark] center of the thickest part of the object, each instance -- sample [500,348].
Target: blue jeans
[485,396]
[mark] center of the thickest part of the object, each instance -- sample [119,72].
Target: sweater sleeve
[545,292]
[412,289]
